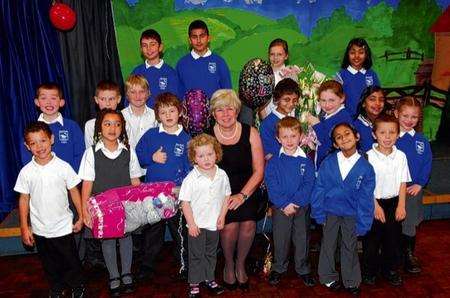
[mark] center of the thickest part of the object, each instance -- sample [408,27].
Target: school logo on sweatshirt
[212,67]
[302,169]
[178,149]
[162,83]
[369,81]
[358,182]
[420,147]
[63,136]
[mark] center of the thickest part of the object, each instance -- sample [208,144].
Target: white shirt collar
[334,113]
[177,132]
[365,121]
[354,71]
[196,56]
[58,119]
[412,132]
[157,66]
[381,155]
[100,145]
[298,153]
[199,173]
[351,159]
[278,114]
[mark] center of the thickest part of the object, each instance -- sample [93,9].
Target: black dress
[237,163]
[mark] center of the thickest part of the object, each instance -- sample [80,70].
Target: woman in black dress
[243,161]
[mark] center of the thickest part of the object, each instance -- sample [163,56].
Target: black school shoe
[274,278]
[369,279]
[333,286]
[56,294]
[308,280]
[127,288]
[355,291]
[115,292]
[393,277]
[79,292]
[213,287]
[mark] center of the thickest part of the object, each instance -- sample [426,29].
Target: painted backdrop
[317,32]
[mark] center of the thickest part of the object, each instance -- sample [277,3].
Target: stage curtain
[90,54]
[29,55]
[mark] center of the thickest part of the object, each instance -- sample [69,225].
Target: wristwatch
[244,196]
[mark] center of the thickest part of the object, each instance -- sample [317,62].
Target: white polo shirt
[87,165]
[390,171]
[89,129]
[136,125]
[49,204]
[346,163]
[206,196]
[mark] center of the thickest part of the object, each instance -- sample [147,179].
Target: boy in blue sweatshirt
[160,76]
[162,151]
[201,69]
[289,177]
[285,95]
[343,200]
[69,140]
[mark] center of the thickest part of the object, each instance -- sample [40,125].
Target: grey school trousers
[202,256]
[350,269]
[291,228]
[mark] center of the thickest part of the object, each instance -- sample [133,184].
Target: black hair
[197,24]
[286,86]
[364,95]
[348,125]
[37,126]
[151,33]
[98,126]
[362,43]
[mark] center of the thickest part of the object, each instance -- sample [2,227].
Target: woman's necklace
[227,138]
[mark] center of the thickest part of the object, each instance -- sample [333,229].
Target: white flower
[318,76]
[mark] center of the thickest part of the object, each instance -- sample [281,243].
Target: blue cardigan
[351,197]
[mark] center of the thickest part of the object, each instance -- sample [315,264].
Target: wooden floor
[21,276]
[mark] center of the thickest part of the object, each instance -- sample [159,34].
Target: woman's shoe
[244,286]
[230,287]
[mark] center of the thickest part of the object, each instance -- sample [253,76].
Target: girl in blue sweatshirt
[356,73]
[418,153]
[342,199]
[331,100]
[370,107]
[289,177]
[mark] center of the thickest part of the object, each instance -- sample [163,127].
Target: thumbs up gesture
[159,156]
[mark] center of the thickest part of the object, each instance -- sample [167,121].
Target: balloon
[62,16]
[195,115]
[256,83]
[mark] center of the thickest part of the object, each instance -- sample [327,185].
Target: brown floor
[21,276]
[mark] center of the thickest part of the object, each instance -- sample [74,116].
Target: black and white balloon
[256,83]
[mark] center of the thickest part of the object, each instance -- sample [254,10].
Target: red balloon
[62,16]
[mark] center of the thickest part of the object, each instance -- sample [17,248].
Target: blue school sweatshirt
[289,179]
[161,80]
[69,143]
[354,84]
[267,130]
[175,146]
[323,132]
[418,153]
[351,197]
[206,73]
[364,128]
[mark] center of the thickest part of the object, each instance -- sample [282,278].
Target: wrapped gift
[124,209]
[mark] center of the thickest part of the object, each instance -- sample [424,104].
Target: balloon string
[180,234]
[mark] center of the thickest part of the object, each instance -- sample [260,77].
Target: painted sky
[307,12]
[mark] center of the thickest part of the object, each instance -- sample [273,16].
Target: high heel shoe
[228,286]
[244,286]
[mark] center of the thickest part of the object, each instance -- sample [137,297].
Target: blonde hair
[225,98]
[202,140]
[136,80]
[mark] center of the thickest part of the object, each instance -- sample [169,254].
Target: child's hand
[290,209]
[160,156]
[87,219]
[312,120]
[27,236]
[193,230]
[414,189]
[379,213]
[78,225]
[400,213]
[220,222]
